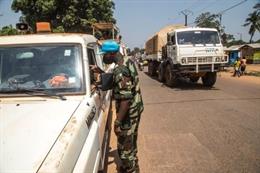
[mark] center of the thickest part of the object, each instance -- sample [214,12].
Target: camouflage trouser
[127,144]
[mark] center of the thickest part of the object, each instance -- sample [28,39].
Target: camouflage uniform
[126,86]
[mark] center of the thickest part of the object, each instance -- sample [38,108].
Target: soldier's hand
[117,129]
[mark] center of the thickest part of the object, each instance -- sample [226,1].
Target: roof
[237,47]
[234,47]
[104,26]
[253,45]
[195,29]
[47,38]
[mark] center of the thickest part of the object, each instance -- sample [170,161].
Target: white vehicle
[177,51]
[53,115]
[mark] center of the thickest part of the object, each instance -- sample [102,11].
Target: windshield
[43,67]
[198,37]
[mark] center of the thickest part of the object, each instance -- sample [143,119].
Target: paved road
[193,129]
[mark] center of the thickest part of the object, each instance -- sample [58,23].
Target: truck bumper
[199,68]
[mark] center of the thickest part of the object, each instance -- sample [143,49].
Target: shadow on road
[113,154]
[184,84]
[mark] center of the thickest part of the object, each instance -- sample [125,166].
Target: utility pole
[186,13]
[240,34]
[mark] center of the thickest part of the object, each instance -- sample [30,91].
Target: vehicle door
[91,153]
[103,96]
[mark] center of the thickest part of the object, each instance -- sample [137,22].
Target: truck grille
[200,59]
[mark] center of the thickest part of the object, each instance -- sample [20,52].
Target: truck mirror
[170,43]
[106,81]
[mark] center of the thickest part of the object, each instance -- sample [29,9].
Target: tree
[212,21]
[68,16]
[8,30]
[208,20]
[253,21]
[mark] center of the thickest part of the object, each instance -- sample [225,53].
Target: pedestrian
[237,67]
[129,105]
[243,65]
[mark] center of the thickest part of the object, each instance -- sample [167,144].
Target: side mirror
[170,43]
[106,81]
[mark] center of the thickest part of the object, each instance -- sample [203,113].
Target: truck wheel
[150,64]
[209,79]
[151,68]
[170,78]
[194,79]
[161,77]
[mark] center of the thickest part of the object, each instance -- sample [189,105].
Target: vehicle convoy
[53,107]
[177,51]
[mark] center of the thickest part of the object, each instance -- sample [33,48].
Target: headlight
[217,59]
[183,60]
[224,58]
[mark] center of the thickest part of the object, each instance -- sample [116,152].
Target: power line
[223,11]
[232,7]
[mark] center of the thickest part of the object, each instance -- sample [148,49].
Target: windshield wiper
[33,92]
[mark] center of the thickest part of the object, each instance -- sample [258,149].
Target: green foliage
[66,16]
[212,21]
[208,20]
[8,30]
[253,21]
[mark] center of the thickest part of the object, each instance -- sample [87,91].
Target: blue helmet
[109,46]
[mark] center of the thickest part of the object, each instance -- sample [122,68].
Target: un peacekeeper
[129,105]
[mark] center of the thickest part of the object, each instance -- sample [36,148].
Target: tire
[194,79]
[161,76]
[209,79]
[150,64]
[151,68]
[170,78]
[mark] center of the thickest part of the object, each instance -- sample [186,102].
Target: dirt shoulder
[245,78]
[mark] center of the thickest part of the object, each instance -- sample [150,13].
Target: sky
[140,19]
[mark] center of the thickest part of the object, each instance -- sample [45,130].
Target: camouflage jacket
[126,86]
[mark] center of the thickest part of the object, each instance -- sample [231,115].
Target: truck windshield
[57,68]
[198,37]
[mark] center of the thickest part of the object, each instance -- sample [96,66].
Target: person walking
[129,105]
[243,65]
[237,68]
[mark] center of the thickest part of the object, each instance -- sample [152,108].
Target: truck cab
[177,51]
[53,110]
[193,53]
[196,49]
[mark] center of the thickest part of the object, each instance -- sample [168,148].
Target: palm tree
[254,21]
[257,7]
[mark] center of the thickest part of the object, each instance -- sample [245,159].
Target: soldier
[129,105]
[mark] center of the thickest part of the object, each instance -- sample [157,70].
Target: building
[250,51]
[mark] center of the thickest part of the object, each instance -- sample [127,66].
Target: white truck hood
[28,130]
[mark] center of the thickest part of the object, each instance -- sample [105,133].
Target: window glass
[198,37]
[50,67]
[94,76]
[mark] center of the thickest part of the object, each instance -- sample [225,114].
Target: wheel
[151,68]
[161,77]
[170,78]
[209,79]
[150,64]
[194,79]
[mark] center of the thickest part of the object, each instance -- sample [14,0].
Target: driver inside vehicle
[59,80]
